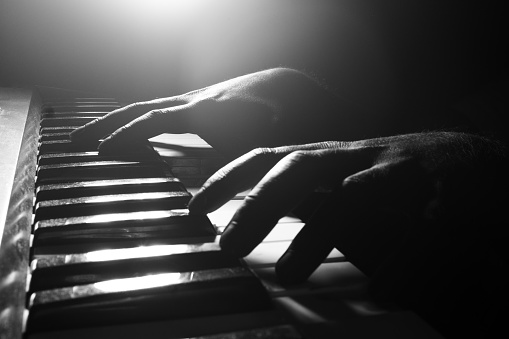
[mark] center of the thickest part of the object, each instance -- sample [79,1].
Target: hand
[268,108]
[380,192]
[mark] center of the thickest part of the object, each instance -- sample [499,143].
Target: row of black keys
[113,241]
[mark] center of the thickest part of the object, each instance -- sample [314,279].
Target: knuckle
[154,117]
[335,145]
[155,113]
[205,103]
[349,182]
[134,105]
[301,156]
[262,151]
[264,155]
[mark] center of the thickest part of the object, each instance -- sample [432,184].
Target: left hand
[269,108]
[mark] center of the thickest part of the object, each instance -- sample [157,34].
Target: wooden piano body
[332,304]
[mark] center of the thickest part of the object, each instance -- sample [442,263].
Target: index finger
[243,173]
[102,127]
[240,174]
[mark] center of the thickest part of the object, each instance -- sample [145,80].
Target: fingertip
[231,245]
[106,146]
[78,134]
[87,132]
[198,204]
[290,271]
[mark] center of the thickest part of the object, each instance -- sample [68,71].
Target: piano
[97,246]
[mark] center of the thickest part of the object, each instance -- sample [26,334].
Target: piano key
[113,203]
[332,276]
[68,121]
[152,297]
[49,102]
[56,260]
[283,231]
[53,129]
[90,156]
[79,108]
[268,253]
[105,187]
[56,271]
[200,327]
[136,234]
[73,114]
[102,170]
[66,146]
[54,136]
[88,233]
[62,146]
[279,332]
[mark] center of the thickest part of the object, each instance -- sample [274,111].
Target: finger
[350,214]
[241,174]
[287,183]
[101,127]
[237,176]
[311,246]
[151,124]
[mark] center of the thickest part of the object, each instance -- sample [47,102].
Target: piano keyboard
[114,253]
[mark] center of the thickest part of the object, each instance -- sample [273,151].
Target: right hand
[385,200]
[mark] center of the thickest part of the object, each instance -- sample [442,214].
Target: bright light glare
[137,252]
[130,284]
[134,196]
[136,215]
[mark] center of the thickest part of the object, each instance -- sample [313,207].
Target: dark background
[375,52]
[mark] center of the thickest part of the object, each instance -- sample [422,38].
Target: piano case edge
[15,245]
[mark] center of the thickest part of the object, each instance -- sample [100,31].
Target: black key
[78,101]
[101,170]
[56,271]
[78,108]
[106,187]
[73,114]
[91,156]
[65,145]
[68,121]
[89,233]
[169,295]
[113,203]
[270,332]
[54,136]
[57,129]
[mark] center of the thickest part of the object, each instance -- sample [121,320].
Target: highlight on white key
[136,252]
[137,283]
